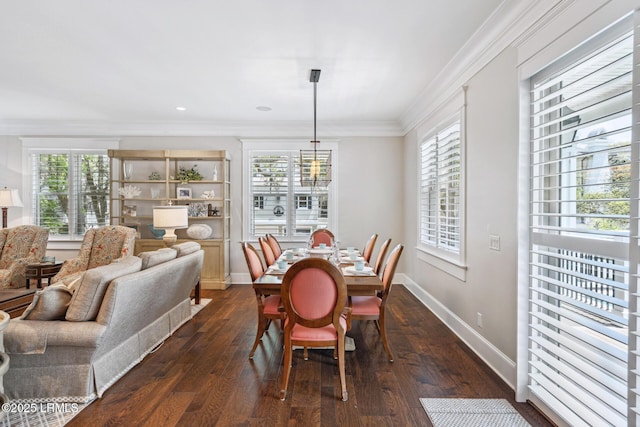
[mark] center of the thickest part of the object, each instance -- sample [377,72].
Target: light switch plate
[494,242]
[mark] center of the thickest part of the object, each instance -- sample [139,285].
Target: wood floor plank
[202,375]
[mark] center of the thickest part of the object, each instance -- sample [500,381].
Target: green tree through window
[71,192]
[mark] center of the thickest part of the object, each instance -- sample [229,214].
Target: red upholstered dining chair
[268,305]
[267,252]
[368,248]
[314,294]
[275,245]
[373,307]
[380,258]
[322,235]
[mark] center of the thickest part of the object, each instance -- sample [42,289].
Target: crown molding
[506,25]
[238,129]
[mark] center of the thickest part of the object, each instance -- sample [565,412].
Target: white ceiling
[131,61]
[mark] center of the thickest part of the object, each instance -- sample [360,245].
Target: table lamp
[9,198]
[170,218]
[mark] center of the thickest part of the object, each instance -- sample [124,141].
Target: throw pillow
[87,297]
[151,258]
[186,248]
[50,303]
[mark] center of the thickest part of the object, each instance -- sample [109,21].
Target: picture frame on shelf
[197,209]
[183,193]
[129,210]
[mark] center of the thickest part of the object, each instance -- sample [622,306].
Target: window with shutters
[280,205]
[440,192]
[70,191]
[581,175]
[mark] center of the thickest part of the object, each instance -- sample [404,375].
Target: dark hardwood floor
[202,376]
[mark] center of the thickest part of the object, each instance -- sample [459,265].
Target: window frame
[567,239]
[443,259]
[32,146]
[278,146]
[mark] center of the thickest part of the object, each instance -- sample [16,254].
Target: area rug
[47,414]
[195,308]
[472,413]
[54,414]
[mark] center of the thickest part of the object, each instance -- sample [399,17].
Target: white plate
[349,260]
[320,251]
[293,259]
[276,269]
[346,252]
[352,270]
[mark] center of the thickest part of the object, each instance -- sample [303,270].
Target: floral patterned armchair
[19,246]
[100,246]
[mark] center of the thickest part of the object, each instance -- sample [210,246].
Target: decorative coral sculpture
[129,191]
[208,195]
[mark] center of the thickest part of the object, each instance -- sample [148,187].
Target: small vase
[215,173]
[128,170]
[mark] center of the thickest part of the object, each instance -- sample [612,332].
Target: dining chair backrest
[267,252]
[314,293]
[322,235]
[390,268]
[381,255]
[256,268]
[368,248]
[275,245]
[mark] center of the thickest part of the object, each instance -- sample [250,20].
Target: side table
[15,301]
[43,270]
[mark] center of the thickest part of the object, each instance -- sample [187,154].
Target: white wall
[371,194]
[490,287]
[11,173]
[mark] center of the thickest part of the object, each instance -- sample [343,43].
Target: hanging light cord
[315,103]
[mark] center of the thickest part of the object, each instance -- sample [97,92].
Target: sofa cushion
[151,258]
[87,298]
[50,303]
[186,248]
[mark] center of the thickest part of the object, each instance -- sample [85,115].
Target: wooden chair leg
[262,325]
[343,381]
[286,368]
[383,333]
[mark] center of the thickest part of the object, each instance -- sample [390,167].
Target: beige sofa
[115,315]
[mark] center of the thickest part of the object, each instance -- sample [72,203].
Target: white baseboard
[490,354]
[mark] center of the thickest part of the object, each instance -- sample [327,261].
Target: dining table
[358,283]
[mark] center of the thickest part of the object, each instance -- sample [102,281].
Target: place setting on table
[359,275]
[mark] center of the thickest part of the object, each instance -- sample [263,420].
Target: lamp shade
[9,198]
[170,217]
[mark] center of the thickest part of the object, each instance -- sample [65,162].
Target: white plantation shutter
[634,249]
[579,217]
[278,204]
[440,190]
[428,192]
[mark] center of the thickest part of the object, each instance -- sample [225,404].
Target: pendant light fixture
[315,165]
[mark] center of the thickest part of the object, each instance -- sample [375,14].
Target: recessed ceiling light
[181,108]
[263,108]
